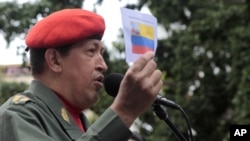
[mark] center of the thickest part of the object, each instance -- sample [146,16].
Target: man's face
[82,72]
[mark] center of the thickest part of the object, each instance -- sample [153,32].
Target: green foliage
[8,89]
[206,62]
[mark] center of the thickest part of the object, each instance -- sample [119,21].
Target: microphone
[112,84]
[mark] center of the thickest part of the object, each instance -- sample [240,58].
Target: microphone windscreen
[112,83]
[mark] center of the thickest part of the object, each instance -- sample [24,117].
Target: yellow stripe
[146,31]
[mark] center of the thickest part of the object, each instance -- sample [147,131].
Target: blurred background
[203,51]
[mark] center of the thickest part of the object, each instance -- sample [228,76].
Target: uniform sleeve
[21,126]
[109,127]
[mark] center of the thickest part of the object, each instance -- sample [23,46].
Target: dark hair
[37,59]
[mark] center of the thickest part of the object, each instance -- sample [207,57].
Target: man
[67,66]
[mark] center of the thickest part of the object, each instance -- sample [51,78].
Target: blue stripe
[142,41]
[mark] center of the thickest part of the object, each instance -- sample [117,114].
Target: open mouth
[99,82]
[99,79]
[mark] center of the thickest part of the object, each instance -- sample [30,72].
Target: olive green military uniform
[38,115]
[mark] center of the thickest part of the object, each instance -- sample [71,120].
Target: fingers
[138,89]
[144,74]
[140,63]
[156,81]
[143,66]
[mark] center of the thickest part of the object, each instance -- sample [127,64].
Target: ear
[52,58]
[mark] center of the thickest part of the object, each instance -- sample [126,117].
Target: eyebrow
[100,45]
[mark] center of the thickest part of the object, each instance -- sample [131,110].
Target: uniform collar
[57,108]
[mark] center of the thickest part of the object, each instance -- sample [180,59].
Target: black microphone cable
[178,107]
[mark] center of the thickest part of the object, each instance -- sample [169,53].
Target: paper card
[140,33]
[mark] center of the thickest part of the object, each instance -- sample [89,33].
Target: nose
[102,66]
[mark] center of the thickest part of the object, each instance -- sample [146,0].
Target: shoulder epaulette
[20,99]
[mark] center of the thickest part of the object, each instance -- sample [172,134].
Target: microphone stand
[163,116]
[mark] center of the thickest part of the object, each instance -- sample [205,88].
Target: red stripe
[140,49]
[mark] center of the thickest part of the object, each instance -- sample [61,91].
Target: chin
[93,100]
[96,99]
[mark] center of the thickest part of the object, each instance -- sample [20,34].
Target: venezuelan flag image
[142,38]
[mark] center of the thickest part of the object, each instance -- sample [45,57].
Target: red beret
[65,27]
